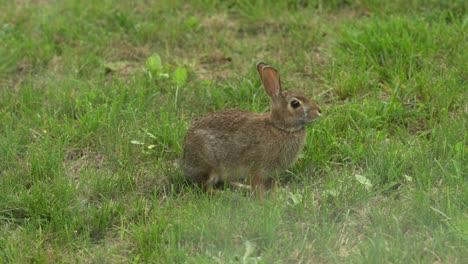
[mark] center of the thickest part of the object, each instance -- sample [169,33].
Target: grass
[92,131]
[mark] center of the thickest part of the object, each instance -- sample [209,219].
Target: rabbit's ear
[270,79]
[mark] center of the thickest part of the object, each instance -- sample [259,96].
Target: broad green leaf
[364,181]
[249,249]
[192,22]
[136,142]
[180,76]
[296,198]
[154,63]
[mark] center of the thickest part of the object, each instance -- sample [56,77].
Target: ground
[96,96]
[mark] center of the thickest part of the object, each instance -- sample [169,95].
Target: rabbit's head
[290,110]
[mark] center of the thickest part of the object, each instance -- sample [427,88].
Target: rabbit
[234,145]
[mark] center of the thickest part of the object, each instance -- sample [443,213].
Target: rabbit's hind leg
[210,181]
[197,172]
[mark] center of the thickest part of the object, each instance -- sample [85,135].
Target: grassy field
[96,96]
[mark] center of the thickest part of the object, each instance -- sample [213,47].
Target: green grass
[91,134]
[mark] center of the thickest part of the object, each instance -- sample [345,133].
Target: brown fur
[235,145]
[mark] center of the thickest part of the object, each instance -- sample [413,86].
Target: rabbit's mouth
[311,121]
[312,115]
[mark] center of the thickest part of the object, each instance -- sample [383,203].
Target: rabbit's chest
[285,153]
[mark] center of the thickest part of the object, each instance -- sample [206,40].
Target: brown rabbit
[235,145]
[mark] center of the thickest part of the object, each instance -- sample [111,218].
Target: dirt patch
[76,160]
[215,66]
[219,22]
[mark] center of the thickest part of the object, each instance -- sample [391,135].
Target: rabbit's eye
[295,103]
